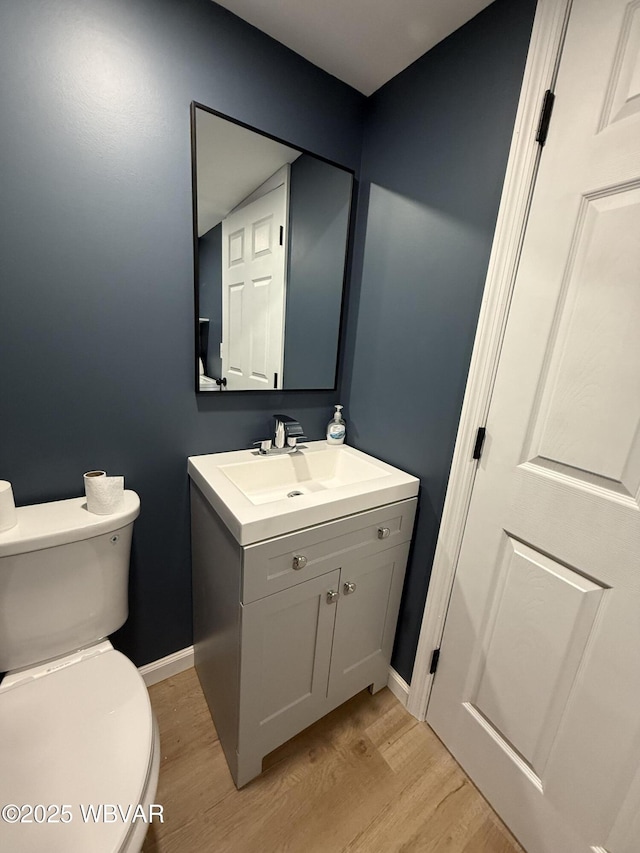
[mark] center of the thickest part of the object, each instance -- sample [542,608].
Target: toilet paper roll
[8,515]
[105,495]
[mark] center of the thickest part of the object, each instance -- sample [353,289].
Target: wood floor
[368,778]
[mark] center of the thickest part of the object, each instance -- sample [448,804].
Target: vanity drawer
[285,561]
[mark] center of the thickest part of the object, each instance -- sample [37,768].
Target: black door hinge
[282,235]
[275,380]
[545,117]
[435,657]
[477,448]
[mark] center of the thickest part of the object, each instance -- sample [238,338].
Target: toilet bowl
[78,739]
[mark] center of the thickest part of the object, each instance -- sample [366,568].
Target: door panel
[236,247]
[535,640]
[586,425]
[262,232]
[539,679]
[623,94]
[235,349]
[260,365]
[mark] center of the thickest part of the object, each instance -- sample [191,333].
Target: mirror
[270,242]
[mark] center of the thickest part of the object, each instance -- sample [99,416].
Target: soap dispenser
[336,428]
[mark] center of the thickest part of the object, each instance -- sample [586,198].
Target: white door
[253,293]
[538,689]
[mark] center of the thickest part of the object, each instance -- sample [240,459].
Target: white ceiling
[362,42]
[232,162]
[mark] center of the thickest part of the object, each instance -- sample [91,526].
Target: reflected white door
[538,689]
[253,293]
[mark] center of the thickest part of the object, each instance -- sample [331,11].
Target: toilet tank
[63,579]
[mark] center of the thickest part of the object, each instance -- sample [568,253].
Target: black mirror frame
[196,278]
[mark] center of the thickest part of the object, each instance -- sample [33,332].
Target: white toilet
[76,725]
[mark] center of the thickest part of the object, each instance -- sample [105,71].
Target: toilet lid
[81,736]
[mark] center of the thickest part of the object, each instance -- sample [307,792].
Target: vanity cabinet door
[286,652]
[370,590]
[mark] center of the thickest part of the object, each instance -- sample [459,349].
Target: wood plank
[367,777]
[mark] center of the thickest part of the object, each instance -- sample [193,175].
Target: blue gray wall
[210,294]
[435,151]
[96,288]
[96,292]
[319,203]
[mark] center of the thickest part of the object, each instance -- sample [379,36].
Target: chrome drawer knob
[349,587]
[332,595]
[299,562]
[383,532]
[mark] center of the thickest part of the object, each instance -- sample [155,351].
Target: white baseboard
[158,670]
[398,686]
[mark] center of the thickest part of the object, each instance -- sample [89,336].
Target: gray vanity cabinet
[287,629]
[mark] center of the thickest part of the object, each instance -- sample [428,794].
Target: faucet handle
[292,429]
[263,446]
[294,440]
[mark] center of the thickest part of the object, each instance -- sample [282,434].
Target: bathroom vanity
[295,598]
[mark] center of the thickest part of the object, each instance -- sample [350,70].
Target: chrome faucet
[287,433]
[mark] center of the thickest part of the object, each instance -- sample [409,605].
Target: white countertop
[249,490]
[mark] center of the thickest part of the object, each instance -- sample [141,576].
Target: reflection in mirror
[270,241]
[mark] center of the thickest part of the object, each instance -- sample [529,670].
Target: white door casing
[539,680]
[253,291]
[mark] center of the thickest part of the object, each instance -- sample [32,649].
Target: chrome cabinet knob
[383,532]
[349,587]
[299,562]
[332,595]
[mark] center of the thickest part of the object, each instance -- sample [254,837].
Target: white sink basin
[307,471]
[259,497]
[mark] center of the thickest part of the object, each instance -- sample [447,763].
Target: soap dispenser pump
[336,428]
